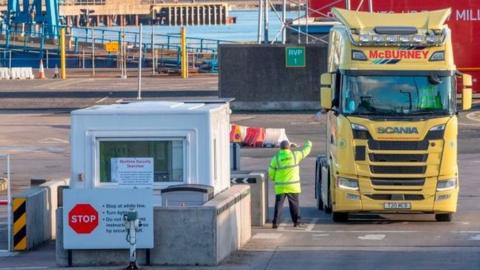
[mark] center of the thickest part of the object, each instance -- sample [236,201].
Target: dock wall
[257,77]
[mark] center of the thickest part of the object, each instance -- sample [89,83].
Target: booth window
[168,157]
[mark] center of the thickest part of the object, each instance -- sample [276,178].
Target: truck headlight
[443,185]
[358,127]
[438,128]
[347,183]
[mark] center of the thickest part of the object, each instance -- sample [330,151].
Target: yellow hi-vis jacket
[284,169]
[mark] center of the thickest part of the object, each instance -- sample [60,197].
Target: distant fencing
[87,45]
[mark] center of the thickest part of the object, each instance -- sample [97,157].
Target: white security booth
[179,148]
[181,142]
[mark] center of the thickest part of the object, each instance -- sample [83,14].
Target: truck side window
[336,89]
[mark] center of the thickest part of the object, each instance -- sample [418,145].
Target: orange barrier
[255,137]
[235,134]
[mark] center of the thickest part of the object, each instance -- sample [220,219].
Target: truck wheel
[339,217]
[327,206]
[444,217]
[318,179]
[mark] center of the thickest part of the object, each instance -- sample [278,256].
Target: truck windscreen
[397,95]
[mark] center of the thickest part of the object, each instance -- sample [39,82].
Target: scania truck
[391,105]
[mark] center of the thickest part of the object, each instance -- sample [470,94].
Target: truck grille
[404,164]
[397,145]
[398,182]
[398,169]
[398,157]
[396,197]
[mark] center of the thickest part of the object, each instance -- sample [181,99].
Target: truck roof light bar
[372,38]
[395,30]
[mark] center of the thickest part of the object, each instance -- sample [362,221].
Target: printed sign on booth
[132,171]
[93,218]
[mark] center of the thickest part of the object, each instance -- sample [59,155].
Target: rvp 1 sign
[93,218]
[295,56]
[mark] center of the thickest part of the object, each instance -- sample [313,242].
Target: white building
[187,142]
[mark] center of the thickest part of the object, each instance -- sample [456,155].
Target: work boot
[274,226]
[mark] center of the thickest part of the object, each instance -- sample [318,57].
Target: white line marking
[341,231]
[474,232]
[473,116]
[311,225]
[25,268]
[101,100]
[267,236]
[475,238]
[320,235]
[375,237]
[379,248]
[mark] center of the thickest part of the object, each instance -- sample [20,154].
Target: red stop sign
[83,218]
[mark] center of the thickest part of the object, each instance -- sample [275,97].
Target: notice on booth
[132,171]
[93,218]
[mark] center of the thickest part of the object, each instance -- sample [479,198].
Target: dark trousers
[293,204]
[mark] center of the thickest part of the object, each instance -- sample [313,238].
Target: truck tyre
[327,206]
[318,181]
[339,217]
[444,217]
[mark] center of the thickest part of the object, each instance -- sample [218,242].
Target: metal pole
[46,56]
[152,47]
[9,205]
[260,21]
[63,71]
[348,4]
[265,22]
[284,22]
[10,59]
[140,49]
[306,20]
[298,26]
[93,53]
[124,55]
[370,5]
[184,56]
[83,58]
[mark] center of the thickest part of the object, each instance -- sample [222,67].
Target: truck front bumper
[355,201]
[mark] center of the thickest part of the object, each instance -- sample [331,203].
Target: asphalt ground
[38,142]
[74,93]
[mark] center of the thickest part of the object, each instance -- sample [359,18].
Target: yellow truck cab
[391,102]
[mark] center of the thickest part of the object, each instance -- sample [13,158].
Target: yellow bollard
[184,58]
[63,71]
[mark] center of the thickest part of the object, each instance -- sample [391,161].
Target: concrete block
[41,204]
[184,236]
[90,257]
[259,193]
[52,189]
[197,235]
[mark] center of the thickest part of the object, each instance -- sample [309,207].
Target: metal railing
[87,48]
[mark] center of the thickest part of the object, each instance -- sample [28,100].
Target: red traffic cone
[41,71]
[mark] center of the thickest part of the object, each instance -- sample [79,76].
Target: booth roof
[149,107]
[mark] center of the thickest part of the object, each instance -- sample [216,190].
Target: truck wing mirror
[326,91]
[467,92]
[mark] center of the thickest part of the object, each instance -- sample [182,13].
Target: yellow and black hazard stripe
[19,224]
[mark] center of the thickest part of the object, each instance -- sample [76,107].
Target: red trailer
[464,22]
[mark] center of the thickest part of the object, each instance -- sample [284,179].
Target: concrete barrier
[197,235]
[4,74]
[257,77]
[34,219]
[259,193]
[21,73]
